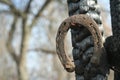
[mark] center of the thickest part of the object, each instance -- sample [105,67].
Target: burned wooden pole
[89,64]
[112,43]
[83,44]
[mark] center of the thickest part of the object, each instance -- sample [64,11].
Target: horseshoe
[70,22]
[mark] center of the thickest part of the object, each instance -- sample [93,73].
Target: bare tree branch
[39,13]
[47,51]
[5,11]
[13,8]
[43,50]
[26,11]
[25,30]
[43,7]
[28,6]
[7,2]
[9,41]
[25,38]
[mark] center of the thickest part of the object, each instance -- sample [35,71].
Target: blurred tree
[26,31]
[28,35]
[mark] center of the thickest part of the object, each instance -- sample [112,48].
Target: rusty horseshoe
[88,23]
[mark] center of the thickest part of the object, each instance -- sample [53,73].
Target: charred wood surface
[83,44]
[112,43]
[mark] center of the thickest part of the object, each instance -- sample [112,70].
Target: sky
[105,4]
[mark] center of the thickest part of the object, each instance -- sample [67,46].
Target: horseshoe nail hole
[64,23]
[91,24]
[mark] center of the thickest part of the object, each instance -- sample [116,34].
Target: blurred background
[27,38]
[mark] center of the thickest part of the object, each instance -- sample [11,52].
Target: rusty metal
[70,22]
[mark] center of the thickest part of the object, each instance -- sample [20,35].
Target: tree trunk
[24,47]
